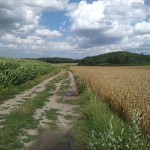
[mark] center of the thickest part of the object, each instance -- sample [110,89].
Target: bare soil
[12,104]
[63,137]
[8,106]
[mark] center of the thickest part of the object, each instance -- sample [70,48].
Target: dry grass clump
[125,89]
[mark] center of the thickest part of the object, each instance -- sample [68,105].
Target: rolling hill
[116,58]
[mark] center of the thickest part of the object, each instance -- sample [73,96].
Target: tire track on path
[64,131]
[8,106]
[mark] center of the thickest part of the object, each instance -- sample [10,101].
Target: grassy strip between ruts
[65,84]
[100,129]
[52,115]
[22,118]
[11,91]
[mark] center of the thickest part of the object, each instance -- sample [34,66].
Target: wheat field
[124,89]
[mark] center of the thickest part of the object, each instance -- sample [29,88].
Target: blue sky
[54,20]
[73,28]
[147,2]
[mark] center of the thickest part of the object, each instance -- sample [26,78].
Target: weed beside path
[100,129]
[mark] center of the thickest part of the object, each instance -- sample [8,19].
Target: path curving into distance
[54,119]
[62,137]
[10,105]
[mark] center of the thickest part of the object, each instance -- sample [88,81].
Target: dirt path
[62,137]
[39,114]
[8,106]
[54,121]
[12,104]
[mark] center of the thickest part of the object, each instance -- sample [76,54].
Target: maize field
[124,89]
[18,71]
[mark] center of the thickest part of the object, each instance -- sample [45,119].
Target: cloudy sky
[73,28]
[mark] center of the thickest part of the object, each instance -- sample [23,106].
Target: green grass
[99,128]
[69,117]
[72,101]
[18,71]
[61,100]
[22,119]
[51,87]
[11,91]
[62,77]
[65,84]
[52,115]
[30,138]
[64,87]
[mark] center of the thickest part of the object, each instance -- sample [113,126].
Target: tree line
[58,60]
[116,58]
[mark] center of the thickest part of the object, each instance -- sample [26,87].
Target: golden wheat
[126,89]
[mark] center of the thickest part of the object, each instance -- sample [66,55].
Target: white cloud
[87,15]
[27,28]
[96,27]
[55,5]
[48,33]
[142,27]
[8,38]
[110,24]
[135,1]
[19,21]
[20,32]
[104,13]
[18,41]
[24,15]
